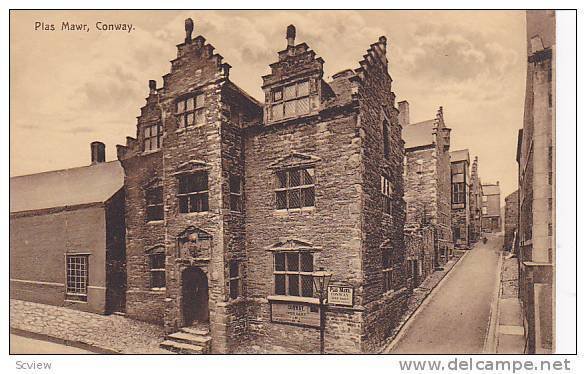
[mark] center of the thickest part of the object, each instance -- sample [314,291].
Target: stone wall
[420,246]
[511,219]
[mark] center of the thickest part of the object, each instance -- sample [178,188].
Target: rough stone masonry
[232,204]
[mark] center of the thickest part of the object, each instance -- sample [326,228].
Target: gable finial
[188,30]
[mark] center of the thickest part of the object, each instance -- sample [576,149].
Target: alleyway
[456,318]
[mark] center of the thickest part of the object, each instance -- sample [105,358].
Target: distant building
[460,171]
[67,244]
[427,182]
[511,219]
[536,161]
[475,203]
[491,208]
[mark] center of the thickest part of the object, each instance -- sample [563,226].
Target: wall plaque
[341,295]
[295,313]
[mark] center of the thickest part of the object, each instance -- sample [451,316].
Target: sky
[69,88]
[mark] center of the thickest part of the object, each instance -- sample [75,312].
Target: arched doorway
[194,296]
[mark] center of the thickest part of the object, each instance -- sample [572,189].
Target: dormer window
[290,101]
[190,111]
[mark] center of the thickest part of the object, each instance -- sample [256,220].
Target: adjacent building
[460,182]
[491,208]
[427,188]
[536,161]
[67,243]
[511,220]
[475,203]
[232,204]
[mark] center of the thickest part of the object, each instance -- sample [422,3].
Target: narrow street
[456,318]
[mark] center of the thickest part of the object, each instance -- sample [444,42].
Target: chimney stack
[291,36]
[152,87]
[404,113]
[188,30]
[98,152]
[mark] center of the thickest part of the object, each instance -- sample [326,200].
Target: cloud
[453,58]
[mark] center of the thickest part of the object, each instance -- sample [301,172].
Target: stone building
[475,203]
[232,204]
[511,219]
[427,183]
[491,208]
[67,236]
[536,158]
[461,213]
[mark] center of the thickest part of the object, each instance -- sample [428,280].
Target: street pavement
[456,319]
[22,345]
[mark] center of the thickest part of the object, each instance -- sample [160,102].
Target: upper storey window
[152,137]
[191,111]
[290,101]
[295,188]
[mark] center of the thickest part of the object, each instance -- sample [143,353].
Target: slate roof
[491,189]
[419,134]
[459,155]
[69,187]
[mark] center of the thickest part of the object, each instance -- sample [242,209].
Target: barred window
[387,269]
[235,279]
[152,137]
[458,193]
[191,111]
[386,189]
[293,272]
[154,203]
[386,140]
[157,270]
[295,188]
[77,277]
[193,192]
[289,101]
[235,193]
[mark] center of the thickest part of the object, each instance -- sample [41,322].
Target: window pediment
[153,182]
[294,159]
[191,166]
[292,244]
[157,249]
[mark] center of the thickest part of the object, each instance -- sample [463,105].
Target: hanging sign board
[295,314]
[341,295]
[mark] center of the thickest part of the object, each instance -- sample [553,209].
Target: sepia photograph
[245,182]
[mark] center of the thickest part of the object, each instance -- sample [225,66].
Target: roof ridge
[66,169]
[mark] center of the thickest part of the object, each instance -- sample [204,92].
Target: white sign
[341,295]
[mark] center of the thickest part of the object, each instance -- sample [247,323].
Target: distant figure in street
[484,239]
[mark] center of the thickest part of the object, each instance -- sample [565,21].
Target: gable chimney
[98,152]
[404,113]
[291,36]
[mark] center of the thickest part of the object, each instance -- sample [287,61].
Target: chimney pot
[188,30]
[291,36]
[98,154]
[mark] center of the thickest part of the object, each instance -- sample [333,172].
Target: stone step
[196,330]
[182,348]
[195,339]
